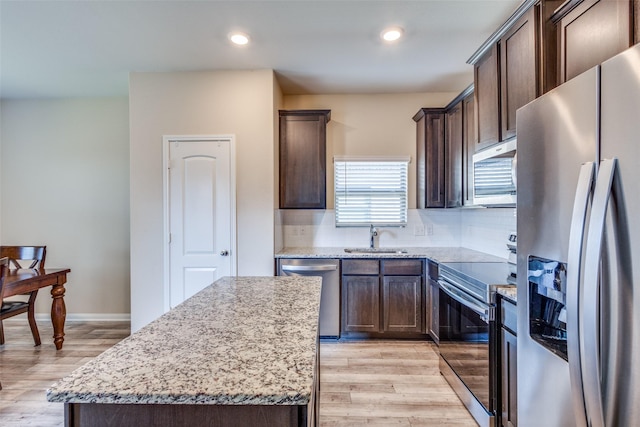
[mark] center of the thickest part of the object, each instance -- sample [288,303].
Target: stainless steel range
[468,335]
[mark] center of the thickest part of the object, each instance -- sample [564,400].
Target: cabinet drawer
[509,315]
[408,267]
[351,266]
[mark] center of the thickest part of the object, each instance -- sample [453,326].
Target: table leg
[58,314]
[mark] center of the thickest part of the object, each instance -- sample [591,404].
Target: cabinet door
[434,310]
[360,304]
[486,80]
[468,148]
[431,156]
[509,378]
[453,156]
[435,177]
[593,32]
[402,303]
[518,70]
[303,159]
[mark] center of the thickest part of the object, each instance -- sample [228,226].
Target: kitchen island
[243,351]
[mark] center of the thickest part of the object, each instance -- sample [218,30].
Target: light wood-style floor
[380,383]
[386,383]
[26,371]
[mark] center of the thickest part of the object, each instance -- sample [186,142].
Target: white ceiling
[87,48]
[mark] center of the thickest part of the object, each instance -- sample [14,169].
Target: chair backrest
[35,254]
[4,267]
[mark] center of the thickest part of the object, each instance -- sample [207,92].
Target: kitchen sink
[375,251]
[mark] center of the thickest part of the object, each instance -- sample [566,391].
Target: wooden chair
[15,254]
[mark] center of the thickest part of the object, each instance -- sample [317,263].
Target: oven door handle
[462,298]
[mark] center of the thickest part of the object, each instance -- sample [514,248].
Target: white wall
[485,230]
[199,103]
[65,184]
[370,124]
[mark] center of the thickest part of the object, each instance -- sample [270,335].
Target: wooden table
[23,281]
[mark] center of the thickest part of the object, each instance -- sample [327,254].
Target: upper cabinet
[453,155]
[592,31]
[514,66]
[518,71]
[303,159]
[442,138]
[487,93]
[430,131]
[470,139]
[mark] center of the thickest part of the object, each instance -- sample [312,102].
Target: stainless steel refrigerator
[578,184]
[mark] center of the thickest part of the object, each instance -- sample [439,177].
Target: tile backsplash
[481,229]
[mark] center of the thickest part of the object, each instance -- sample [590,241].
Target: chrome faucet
[372,233]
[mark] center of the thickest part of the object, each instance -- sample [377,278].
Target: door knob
[224,253]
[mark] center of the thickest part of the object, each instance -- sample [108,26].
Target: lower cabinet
[360,304]
[382,298]
[402,303]
[433,312]
[508,363]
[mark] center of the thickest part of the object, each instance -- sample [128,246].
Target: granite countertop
[509,292]
[437,254]
[240,341]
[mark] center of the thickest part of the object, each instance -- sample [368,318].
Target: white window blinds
[492,177]
[371,192]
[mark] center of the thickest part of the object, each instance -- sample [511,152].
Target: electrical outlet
[303,231]
[430,230]
[418,230]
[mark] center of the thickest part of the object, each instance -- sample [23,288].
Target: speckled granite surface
[244,340]
[438,254]
[509,292]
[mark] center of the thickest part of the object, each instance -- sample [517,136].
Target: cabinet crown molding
[493,39]
[326,113]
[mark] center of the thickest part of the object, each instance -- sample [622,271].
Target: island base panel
[104,414]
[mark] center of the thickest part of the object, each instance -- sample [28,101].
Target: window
[371,192]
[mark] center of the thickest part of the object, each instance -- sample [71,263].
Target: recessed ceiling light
[392,34]
[240,39]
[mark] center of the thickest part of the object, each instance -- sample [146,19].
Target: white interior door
[201,226]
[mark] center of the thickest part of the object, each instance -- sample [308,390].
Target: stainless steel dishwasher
[329,270]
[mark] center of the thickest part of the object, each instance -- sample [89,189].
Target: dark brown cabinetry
[303,159]
[430,155]
[361,296]
[402,295]
[592,31]
[382,298]
[514,66]
[433,313]
[508,363]
[518,82]
[469,145]
[453,155]
[487,98]
[440,139]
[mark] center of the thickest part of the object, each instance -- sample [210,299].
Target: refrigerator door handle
[574,314]
[595,237]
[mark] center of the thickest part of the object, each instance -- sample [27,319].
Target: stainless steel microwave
[494,175]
